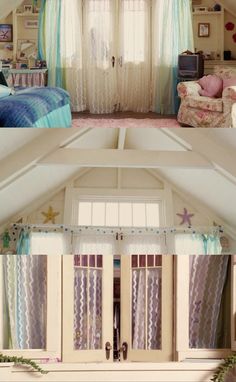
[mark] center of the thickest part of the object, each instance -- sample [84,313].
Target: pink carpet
[125,122]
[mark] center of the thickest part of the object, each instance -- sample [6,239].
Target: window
[118,214]
[30,316]
[135,18]
[205,315]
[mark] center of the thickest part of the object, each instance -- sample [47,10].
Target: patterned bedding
[30,105]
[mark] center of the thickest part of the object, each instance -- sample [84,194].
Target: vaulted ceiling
[199,163]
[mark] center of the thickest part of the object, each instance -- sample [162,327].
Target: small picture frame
[31,24]
[204,30]
[6,34]
[28,8]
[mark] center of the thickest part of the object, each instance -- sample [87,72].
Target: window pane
[138,309]
[87,308]
[24,302]
[98,216]
[134,30]
[154,309]
[85,211]
[112,214]
[153,218]
[125,214]
[209,296]
[139,215]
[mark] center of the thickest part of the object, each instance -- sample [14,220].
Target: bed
[36,107]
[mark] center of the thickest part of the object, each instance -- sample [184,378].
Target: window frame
[165,354]
[233,303]
[181,321]
[53,326]
[69,354]
[75,195]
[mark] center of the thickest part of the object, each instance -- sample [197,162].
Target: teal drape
[173,35]
[23,243]
[211,244]
[50,29]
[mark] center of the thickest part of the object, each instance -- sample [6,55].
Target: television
[191,66]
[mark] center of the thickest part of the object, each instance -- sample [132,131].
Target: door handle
[108,348]
[124,350]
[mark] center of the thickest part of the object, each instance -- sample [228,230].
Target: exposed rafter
[209,149]
[106,158]
[25,158]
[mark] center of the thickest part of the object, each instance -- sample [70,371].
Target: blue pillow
[5,91]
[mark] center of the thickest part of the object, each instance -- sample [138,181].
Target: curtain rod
[113,230]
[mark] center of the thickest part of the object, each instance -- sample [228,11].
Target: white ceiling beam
[110,158]
[23,159]
[209,149]
[121,138]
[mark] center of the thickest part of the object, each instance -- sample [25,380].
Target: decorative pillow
[225,72]
[229,82]
[212,86]
[5,91]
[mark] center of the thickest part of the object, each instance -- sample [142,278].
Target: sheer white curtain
[99,50]
[146,290]
[25,281]
[88,274]
[134,62]
[72,52]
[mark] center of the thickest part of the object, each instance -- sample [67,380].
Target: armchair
[200,111]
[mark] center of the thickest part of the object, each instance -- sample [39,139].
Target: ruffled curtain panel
[24,316]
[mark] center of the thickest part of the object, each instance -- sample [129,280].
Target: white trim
[233,303]
[74,195]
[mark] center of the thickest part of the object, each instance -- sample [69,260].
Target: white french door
[87,308]
[146,308]
[117,51]
[117,306]
[134,55]
[99,21]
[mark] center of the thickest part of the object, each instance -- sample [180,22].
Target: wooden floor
[121,115]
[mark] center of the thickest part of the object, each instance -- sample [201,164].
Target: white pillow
[5,91]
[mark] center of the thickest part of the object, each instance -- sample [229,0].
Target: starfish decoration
[186,217]
[50,215]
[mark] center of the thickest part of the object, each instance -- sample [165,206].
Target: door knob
[108,348]
[124,350]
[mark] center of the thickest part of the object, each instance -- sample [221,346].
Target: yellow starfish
[50,215]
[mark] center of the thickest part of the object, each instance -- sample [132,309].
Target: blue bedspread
[29,105]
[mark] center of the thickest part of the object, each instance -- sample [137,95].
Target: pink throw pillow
[212,86]
[229,82]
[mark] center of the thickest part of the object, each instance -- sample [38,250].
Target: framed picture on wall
[6,34]
[28,8]
[203,29]
[31,24]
